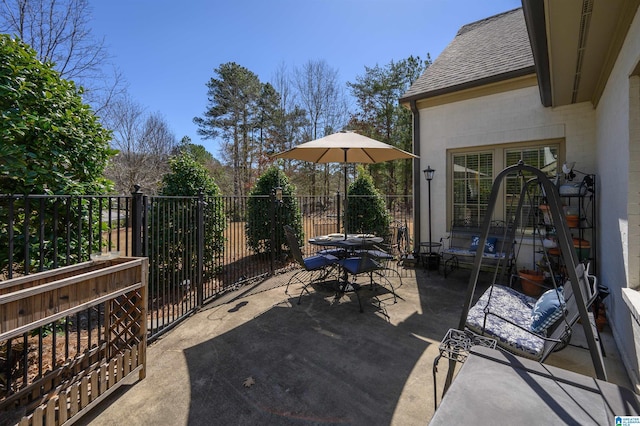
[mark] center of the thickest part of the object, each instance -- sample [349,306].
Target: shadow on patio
[264,359]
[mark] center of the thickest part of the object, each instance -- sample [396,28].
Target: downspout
[416,175]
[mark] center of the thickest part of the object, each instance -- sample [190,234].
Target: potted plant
[531,281]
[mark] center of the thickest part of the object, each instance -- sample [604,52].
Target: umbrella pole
[346,198]
[346,201]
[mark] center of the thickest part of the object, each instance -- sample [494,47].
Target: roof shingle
[481,50]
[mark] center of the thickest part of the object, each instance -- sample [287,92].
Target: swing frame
[578,280]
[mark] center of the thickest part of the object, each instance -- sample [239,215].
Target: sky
[167,50]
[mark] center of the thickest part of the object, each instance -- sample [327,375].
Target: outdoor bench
[463,248]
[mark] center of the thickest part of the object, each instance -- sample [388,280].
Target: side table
[455,346]
[430,259]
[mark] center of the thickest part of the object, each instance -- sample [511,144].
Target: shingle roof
[487,50]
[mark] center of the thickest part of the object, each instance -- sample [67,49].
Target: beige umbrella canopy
[345,147]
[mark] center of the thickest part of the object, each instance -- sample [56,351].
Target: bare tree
[59,32]
[289,129]
[281,81]
[144,143]
[325,104]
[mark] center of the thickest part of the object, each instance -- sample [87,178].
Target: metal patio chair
[315,268]
[365,263]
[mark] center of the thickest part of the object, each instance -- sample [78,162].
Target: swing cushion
[489,245]
[508,320]
[548,310]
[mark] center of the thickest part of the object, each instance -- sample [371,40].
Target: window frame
[499,159]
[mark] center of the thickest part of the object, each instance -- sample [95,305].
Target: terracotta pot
[555,251]
[529,281]
[573,221]
[601,321]
[582,247]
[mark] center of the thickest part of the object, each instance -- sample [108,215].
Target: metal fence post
[200,236]
[272,243]
[137,206]
[338,219]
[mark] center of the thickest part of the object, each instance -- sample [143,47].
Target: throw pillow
[475,240]
[489,245]
[547,310]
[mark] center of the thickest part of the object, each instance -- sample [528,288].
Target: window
[472,179]
[543,158]
[473,172]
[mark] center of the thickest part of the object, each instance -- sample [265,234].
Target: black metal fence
[197,246]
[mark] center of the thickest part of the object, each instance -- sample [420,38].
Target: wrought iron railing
[193,256]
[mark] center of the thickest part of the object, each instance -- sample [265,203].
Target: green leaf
[44,116]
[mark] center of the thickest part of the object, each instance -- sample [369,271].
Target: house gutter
[469,85]
[416,174]
[537,29]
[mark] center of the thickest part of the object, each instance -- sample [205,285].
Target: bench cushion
[467,252]
[319,261]
[517,308]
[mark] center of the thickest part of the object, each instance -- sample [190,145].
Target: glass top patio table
[346,246]
[352,241]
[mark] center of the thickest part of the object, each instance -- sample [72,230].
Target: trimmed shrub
[366,211]
[260,207]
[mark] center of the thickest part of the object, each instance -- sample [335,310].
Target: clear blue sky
[167,50]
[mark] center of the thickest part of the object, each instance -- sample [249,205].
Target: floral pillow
[547,310]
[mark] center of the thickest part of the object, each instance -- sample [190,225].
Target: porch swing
[519,323]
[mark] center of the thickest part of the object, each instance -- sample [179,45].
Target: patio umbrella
[345,147]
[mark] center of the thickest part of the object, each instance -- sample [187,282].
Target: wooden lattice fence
[114,293]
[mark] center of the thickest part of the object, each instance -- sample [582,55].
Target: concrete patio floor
[262,359]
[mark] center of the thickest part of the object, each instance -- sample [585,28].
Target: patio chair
[387,265]
[398,244]
[315,268]
[382,254]
[364,263]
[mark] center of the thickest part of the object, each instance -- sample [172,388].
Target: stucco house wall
[501,118]
[618,164]
[601,135]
